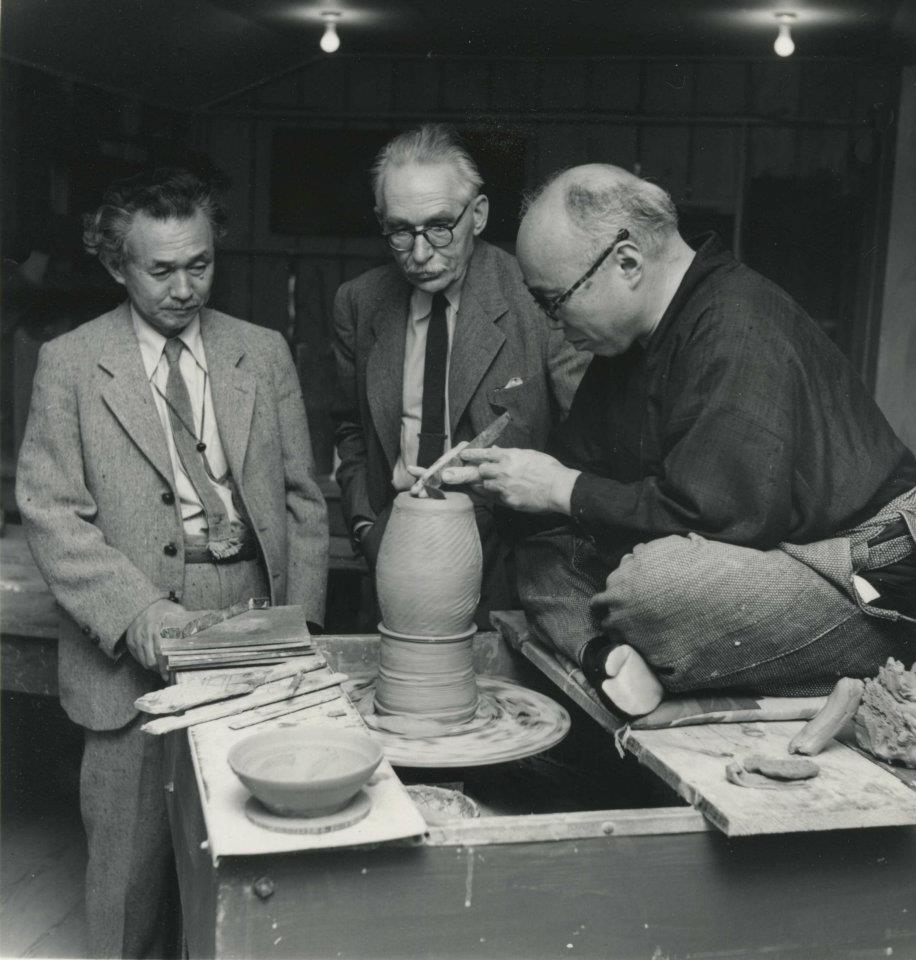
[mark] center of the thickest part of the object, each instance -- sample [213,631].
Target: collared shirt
[193,366]
[421,304]
[739,420]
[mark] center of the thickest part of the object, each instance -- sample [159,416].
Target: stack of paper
[257,636]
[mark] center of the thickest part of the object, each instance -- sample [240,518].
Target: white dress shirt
[421,304]
[193,367]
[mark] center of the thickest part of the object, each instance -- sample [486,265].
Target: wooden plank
[581,825]
[849,793]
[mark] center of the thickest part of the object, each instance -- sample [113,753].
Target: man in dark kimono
[724,479]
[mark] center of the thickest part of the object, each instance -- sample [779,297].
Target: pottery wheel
[357,809]
[511,722]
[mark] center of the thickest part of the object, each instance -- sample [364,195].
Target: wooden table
[649,882]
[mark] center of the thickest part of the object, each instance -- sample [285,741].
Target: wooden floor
[43,854]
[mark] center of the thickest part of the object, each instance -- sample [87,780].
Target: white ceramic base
[357,809]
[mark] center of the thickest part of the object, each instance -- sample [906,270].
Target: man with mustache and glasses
[433,347]
[166,468]
[725,506]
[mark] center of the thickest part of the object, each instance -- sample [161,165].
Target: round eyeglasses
[436,234]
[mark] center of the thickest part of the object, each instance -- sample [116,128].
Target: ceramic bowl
[298,772]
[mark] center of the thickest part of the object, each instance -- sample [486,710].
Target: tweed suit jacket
[96,492]
[500,334]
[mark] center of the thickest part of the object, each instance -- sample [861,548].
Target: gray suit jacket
[96,492]
[500,334]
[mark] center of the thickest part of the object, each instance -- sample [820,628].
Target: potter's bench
[618,876]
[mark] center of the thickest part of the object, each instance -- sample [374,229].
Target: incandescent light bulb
[330,41]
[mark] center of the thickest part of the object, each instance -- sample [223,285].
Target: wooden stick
[268,693]
[177,697]
[273,711]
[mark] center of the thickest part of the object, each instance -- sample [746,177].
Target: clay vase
[429,567]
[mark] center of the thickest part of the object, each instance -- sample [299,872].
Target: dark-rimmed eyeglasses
[550,306]
[437,235]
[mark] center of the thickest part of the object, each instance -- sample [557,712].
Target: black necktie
[432,424]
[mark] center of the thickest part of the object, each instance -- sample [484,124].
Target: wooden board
[850,792]
[223,797]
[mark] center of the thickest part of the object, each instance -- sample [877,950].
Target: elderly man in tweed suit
[166,468]
[437,344]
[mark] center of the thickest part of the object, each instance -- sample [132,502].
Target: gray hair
[600,204]
[430,143]
[163,194]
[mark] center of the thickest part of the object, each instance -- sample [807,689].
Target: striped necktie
[220,540]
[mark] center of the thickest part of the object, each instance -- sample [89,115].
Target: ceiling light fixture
[783,45]
[330,41]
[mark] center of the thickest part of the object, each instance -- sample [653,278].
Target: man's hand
[524,480]
[142,635]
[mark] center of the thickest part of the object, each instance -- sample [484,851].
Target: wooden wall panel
[229,141]
[715,164]
[560,145]
[823,149]
[772,151]
[615,85]
[612,143]
[827,90]
[775,87]
[465,85]
[515,86]
[324,85]
[664,158]
[371,85]
[669,87]
[721,88]
[416,86]
[269,276]
[564,86]
[232,286]
[284,92]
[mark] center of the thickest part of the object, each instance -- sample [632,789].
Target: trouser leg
[131,892]
[711,615]
[131,907]
[558,574]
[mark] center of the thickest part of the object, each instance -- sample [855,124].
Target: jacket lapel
[477,337]
[128,394]
[385,367]
[233,389]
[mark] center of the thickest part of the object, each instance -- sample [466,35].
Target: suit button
[96,640]
[173,596]
[168,497]
[86,631]
[170,550]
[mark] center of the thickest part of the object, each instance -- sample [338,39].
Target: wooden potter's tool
[178,697]
[431,479]
[296,705]
[270,692]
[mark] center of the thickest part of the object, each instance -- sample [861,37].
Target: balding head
[598,199]
[599,248]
